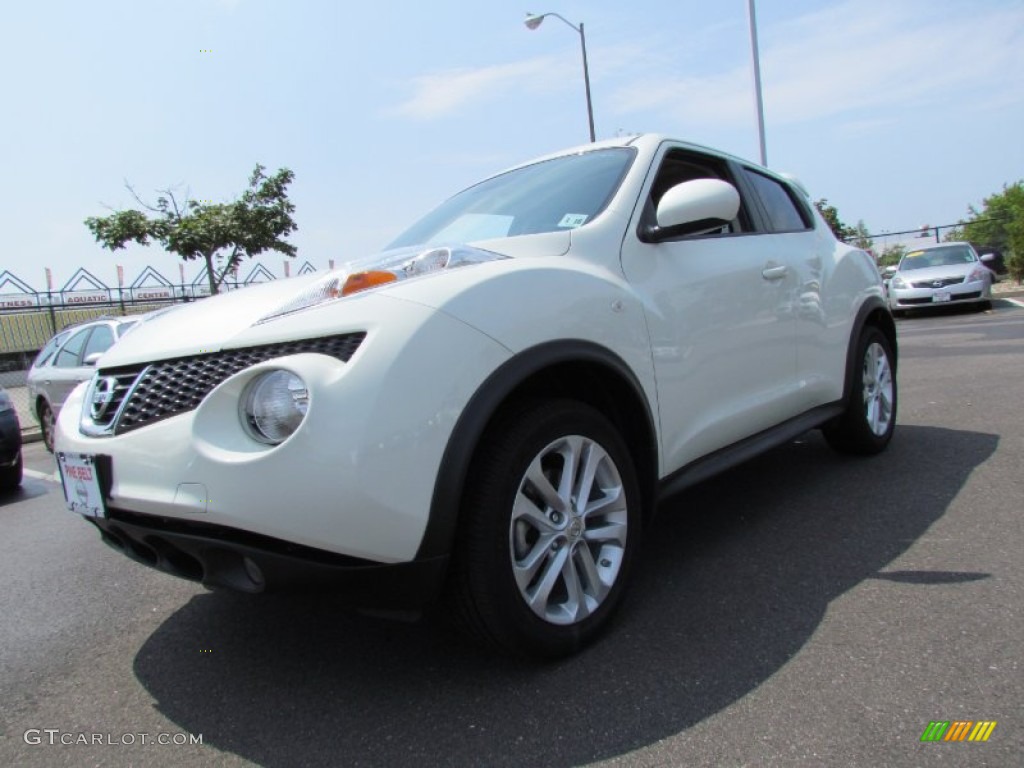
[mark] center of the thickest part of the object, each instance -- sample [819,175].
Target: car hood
[233,319]
[936,273]
[206,325]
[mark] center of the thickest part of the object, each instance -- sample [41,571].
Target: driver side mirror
[890,270]
[92,358]
[693,208]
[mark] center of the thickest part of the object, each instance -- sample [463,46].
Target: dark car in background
[10,445]
[67,359]
[992,258]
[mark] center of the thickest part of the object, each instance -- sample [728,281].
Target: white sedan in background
[488,412]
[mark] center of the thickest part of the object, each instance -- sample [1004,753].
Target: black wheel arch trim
[485,402]
[869,307]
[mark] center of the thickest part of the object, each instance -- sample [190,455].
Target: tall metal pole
[586,83]
[534,20]
[757,81]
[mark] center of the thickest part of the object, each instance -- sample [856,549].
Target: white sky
[900,112]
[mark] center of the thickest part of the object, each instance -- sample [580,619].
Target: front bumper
[241,561]
[356,478]
[959,293]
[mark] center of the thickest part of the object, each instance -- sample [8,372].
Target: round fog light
[273,406]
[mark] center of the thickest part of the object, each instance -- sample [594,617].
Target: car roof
[116,319]
[650,142]
[933,246]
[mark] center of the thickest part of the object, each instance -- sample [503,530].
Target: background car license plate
[81,484]
[940,296]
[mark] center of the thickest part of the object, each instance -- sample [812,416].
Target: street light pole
[757,81]
[533,21]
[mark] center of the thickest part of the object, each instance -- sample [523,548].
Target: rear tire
[548,530]
[867,425]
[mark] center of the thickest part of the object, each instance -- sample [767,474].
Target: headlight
[273,406]
[898,282]
[388,267]
[976,275]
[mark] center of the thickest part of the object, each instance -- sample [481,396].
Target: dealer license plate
[940,296]
[81,484]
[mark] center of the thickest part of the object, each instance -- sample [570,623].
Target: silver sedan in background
[67,359]
[940,274]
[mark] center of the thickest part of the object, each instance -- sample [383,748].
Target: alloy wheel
[567,536]
[878,389]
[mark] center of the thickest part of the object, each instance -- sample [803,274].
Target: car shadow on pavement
[736,576]
[30,488]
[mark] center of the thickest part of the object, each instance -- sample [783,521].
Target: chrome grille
[941,282]
[106,394]
[155,391]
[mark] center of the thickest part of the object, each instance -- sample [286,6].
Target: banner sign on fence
[151,292]
[84,297]
[18,300]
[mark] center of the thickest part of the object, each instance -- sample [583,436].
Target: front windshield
[559,194]
[944,256]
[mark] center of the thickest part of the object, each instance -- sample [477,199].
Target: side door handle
[773,271]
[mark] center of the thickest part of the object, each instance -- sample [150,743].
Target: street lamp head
[533,21]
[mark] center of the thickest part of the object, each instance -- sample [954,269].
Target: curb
[31,435]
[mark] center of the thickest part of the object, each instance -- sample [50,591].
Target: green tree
[860,237]
[257,221]
[839,229]
[891,255]
[1000,224]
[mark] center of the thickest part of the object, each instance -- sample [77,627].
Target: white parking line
[35,474]
[1018,302]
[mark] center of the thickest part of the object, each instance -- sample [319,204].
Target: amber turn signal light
[360,281]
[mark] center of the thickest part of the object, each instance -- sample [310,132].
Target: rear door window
[784,213]
[101,340]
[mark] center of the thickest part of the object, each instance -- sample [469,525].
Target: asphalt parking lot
[802,610]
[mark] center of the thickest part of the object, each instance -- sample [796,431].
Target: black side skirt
[732,455]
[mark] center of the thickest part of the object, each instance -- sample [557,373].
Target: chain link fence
[23,334]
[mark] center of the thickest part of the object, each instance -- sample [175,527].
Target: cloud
[855,129]
[440,94]
[443,93]
[854,60]
[851,58]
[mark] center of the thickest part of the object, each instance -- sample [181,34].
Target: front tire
[549,526]
[867,425]
[10,477]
